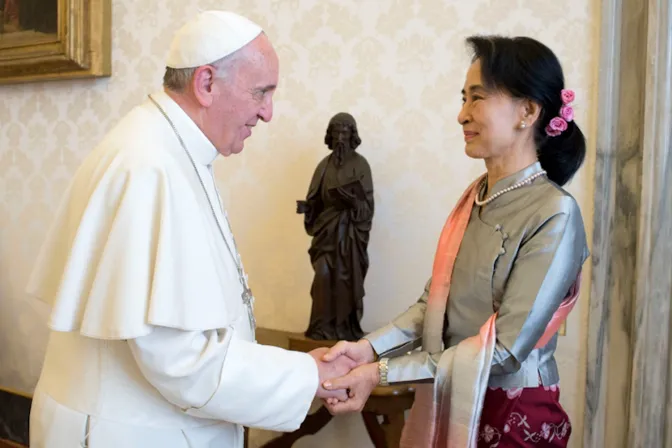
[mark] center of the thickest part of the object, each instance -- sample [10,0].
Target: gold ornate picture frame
[43,40]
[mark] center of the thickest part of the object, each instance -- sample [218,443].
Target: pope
[152,338]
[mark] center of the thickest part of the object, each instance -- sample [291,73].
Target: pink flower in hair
[567,96]
[558,124]
[556,127]
[567,113]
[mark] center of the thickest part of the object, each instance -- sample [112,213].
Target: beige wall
[397,66]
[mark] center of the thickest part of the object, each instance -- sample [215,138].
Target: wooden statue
[338,212]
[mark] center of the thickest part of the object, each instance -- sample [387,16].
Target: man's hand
[361,352]
[360,382]
[338,367]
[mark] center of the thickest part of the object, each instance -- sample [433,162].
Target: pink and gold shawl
[446,413]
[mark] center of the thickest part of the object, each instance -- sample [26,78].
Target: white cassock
[152,344]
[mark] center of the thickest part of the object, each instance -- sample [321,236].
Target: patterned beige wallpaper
[396,65]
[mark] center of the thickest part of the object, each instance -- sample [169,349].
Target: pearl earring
[522,125]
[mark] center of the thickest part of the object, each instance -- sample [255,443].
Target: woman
[506,272]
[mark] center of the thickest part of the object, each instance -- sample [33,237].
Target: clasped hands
[347,375]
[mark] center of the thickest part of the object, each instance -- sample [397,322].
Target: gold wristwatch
[382,370]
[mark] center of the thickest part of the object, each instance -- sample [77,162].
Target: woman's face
[491,120]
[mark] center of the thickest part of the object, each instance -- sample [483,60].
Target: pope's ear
[203,85]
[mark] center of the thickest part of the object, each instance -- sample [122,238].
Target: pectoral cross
[248,300]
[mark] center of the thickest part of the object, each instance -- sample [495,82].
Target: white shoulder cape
[132,245]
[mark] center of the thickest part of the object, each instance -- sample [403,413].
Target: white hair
[177,79]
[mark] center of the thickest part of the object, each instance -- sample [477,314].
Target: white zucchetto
[208,37]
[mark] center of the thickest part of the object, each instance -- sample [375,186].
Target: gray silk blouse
[519,257]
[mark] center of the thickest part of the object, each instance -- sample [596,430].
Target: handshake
[347,375]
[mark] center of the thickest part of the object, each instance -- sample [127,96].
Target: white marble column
[628,375]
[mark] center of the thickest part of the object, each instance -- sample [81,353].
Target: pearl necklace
[506,190]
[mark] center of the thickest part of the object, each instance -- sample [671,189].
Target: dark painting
[44,40]
[23,20]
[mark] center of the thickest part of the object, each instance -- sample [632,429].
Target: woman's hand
[359,383]
[361,352]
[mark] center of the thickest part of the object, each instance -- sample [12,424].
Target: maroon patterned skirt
[523,417]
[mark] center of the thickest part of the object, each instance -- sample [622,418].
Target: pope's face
[244,97]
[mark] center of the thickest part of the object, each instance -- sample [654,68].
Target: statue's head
[342,133]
